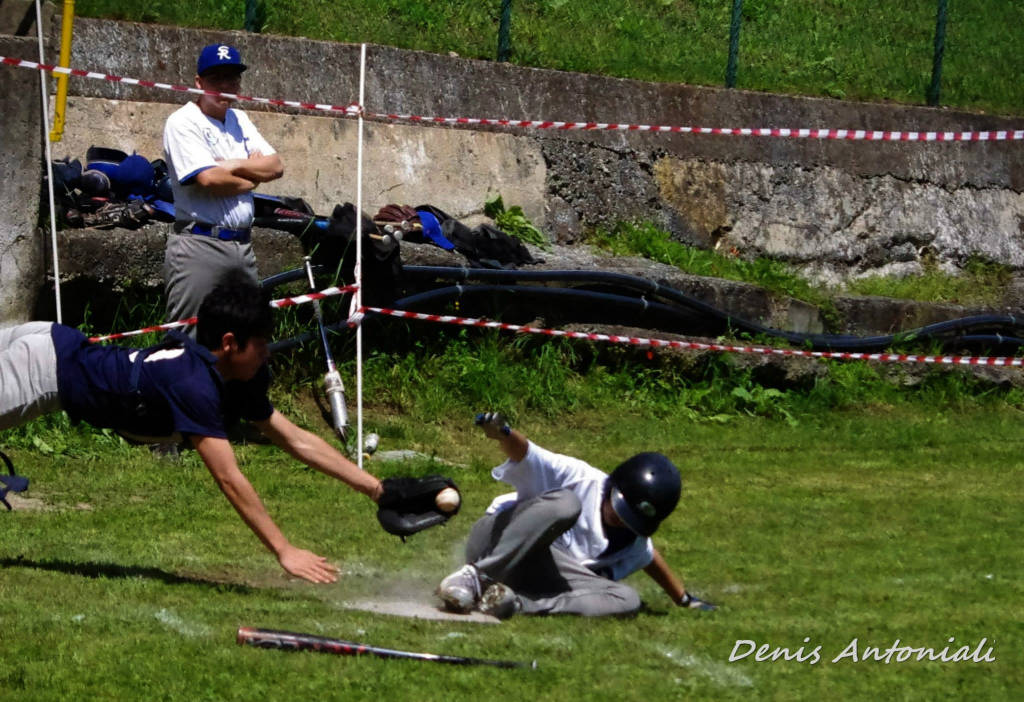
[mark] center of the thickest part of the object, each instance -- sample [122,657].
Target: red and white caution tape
[347,110]
[354,110]
[309,297]
[842,134]
[1000,361]
[145,330]
[282,302]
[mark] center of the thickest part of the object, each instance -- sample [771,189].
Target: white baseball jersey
[541,471]
[194,142]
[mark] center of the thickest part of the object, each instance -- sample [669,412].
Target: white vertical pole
[49,162]
[358,272]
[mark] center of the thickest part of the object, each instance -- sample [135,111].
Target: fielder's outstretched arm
[316,453]
[220,460]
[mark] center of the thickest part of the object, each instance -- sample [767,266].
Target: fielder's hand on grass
[494,425]
[307,565]
[692,602]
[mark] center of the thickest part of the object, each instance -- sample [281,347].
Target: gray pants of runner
[194,264]
[514,547]
[28,373]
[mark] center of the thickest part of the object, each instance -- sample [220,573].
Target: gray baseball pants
[514,547]
[194,265]
[28,373]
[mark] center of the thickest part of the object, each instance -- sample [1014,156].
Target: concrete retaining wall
[835,209]
[21,162]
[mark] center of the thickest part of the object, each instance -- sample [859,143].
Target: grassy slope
[898,524]
[856,49]
[981,283]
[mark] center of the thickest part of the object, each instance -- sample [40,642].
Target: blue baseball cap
[432,230]
[216,55]
[134,176]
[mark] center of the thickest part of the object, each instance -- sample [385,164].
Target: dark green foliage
[513,221]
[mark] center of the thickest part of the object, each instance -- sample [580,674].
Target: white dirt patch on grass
[407,594]
[28,504]
[734,588]
[175,623]
[38,503]
[416,609]
[720,674]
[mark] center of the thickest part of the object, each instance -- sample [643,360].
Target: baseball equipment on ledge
[10,483]
[409,505]
[291,641]
[400,217]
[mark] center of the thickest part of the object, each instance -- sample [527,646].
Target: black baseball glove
[408,504]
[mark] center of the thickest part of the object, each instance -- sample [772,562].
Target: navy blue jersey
[178,390]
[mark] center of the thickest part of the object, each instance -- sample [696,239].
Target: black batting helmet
[644,490]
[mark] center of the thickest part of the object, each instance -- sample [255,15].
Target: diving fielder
[562,542]
[191,390]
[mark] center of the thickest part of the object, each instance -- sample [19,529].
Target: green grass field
[857,508]
[893,522]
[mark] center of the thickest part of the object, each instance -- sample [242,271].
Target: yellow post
[60,105]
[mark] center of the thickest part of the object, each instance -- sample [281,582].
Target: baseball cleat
[460,591]
[499,601]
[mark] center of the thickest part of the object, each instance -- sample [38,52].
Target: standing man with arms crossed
[216,158]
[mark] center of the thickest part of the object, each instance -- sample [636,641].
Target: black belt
[242,236]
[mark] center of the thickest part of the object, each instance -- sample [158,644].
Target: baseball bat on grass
[293,641]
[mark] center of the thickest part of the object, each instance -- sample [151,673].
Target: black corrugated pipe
[693,311]
[834,342]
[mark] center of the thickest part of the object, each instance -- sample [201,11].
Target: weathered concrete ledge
[88,269]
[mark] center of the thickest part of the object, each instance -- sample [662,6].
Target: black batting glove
[494,424]
[691,602]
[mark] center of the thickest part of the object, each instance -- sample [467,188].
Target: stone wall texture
[834,209]
[21,163]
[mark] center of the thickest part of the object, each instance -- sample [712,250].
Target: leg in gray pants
[514,547]
[28,373]
[194,264]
